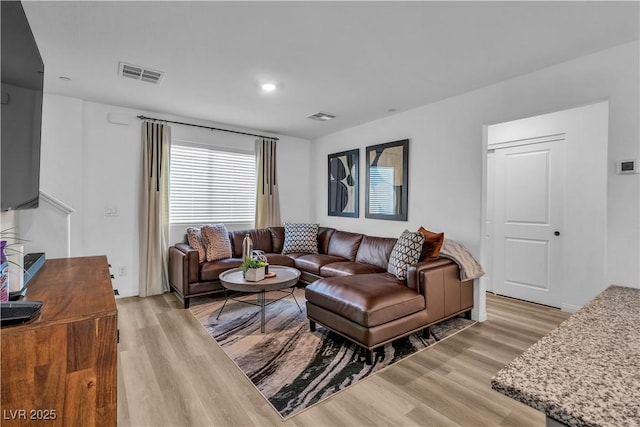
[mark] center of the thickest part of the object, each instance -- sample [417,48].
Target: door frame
[572,299]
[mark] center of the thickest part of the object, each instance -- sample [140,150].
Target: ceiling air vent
[323,117]
[140,73]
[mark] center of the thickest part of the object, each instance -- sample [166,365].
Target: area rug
[292,367]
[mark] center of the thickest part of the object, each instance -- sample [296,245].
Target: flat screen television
[21,115]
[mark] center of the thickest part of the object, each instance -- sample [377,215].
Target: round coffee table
[286,277]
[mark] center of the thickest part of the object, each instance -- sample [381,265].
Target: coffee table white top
[285,277]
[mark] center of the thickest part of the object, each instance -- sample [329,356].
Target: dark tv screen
[22,82]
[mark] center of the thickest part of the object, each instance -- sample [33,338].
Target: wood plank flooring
[172,374]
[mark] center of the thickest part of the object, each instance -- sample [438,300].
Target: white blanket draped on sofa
[470,268]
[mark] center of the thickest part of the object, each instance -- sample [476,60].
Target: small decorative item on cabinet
[4,273]
[252,269]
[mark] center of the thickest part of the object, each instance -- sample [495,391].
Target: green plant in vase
[253,269]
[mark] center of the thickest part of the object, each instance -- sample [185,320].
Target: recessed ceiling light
[268,87]
[65,78]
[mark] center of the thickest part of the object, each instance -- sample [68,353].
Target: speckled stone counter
[587,371]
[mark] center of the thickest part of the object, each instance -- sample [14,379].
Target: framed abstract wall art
[343,183]
[387,195]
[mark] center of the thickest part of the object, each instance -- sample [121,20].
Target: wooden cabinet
[61,368]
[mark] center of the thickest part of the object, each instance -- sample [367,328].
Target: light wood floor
[172,374]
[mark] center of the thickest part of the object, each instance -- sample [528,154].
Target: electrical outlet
[122,271]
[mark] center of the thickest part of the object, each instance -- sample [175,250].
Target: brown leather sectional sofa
[349,290]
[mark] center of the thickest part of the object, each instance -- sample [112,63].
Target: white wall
[61,171]
[446,158]
[92,164]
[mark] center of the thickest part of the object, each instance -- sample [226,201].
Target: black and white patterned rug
[292,367]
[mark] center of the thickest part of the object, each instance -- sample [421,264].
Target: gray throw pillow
[196,241]
[218,245]
[406,252]
[300,238]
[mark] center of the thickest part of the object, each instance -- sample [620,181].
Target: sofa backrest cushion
[376,251]
[344,244]
[277,238]
[324,235]
[261,239]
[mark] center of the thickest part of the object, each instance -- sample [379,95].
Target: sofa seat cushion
[211,270]
[347,268]
[278,259]
[367,299]
[313,262]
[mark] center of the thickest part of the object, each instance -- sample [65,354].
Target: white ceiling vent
[139,73]
[323,117]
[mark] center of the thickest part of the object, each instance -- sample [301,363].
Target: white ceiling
[356,59]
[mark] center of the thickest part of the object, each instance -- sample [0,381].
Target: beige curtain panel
[267,200]
[154,212]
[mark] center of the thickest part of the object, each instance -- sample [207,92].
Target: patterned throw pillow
[216,237]
[195,240]
[406,252]
[300,238]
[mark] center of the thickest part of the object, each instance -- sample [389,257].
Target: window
[208,185]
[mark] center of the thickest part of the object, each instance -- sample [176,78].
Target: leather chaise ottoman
[369,309]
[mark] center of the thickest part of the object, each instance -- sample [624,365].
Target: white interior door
[527,221]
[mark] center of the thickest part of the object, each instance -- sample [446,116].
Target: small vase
[247,246]
[254,274]
[4,273]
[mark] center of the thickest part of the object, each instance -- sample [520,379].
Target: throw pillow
[432,244]
[217,240]
[406,252]
[300,238]
[195,240]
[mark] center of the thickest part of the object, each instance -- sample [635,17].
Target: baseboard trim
[477,315]
[569,308]
[127,294]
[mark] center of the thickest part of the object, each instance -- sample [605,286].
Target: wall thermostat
[627,166]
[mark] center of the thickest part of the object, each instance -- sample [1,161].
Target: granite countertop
[587,371]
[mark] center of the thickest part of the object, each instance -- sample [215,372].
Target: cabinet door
[60,375]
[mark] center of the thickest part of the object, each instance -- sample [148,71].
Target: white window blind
[210,186]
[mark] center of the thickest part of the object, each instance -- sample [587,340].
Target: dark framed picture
[387,195]
[343,183]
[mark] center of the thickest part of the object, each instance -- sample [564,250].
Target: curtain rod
[206,127]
